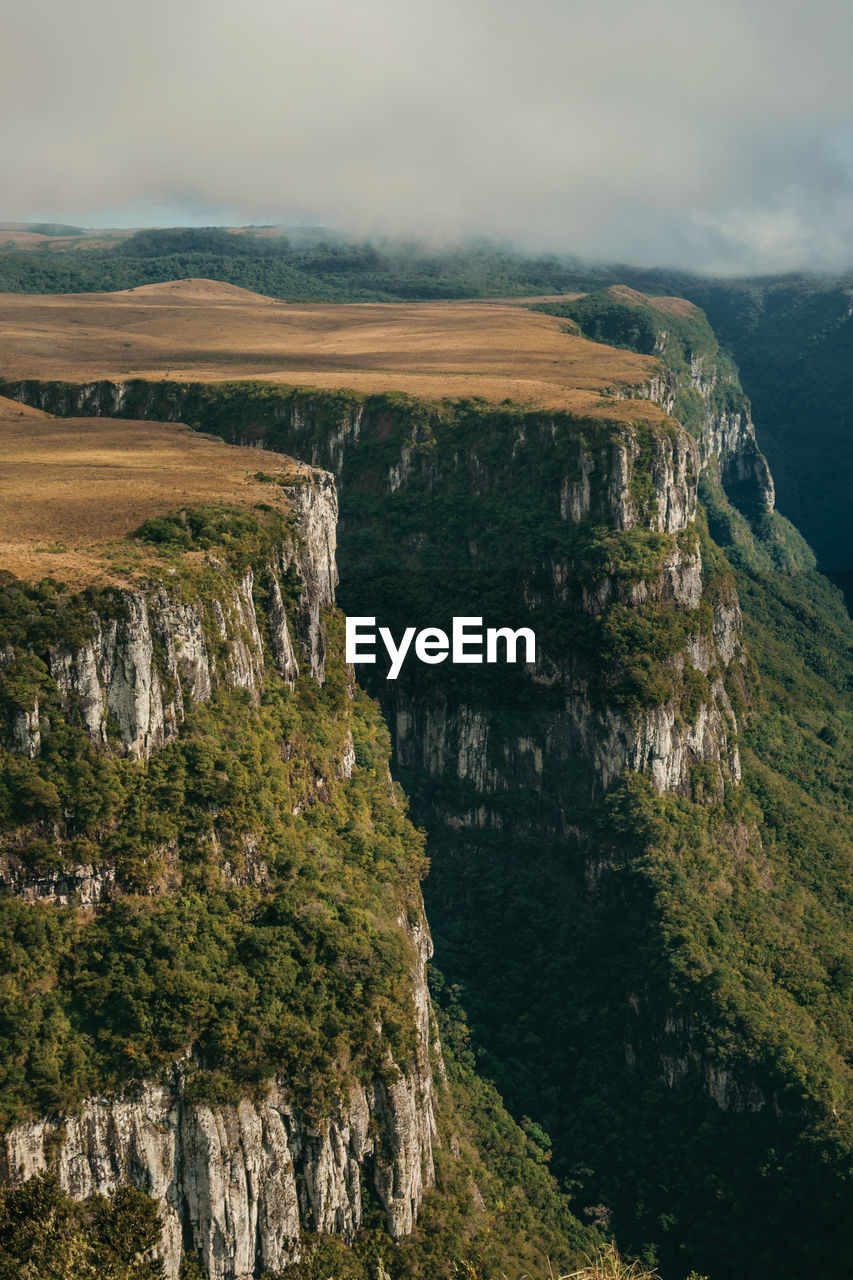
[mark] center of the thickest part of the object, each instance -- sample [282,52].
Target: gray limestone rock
[241,1184]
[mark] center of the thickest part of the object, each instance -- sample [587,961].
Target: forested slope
[641,849]
[213,936]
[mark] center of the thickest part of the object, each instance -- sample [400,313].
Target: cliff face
[439,737]
[697,382]
[140,667]
[238,1184]
[643,485]
[624,479]
[725,431]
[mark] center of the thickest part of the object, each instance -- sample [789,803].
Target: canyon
[609,873]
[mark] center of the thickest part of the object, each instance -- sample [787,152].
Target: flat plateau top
[199,330]
[72,488]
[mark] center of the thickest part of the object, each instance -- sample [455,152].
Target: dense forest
[325,269]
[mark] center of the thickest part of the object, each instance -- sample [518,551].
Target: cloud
[714,137]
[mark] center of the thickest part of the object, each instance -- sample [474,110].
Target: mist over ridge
[679,134]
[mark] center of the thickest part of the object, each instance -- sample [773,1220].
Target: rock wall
[624,477]
[239,1185]
[726,438]
[459,739]
[81,884]
[629,484]
[509,773]
[130,682]
[672,468]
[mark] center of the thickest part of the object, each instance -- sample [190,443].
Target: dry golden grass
[605,1264]
[200,330]
[531,298]
[72,488]
[12,409]
[625,294]
[18,234]
[675,306]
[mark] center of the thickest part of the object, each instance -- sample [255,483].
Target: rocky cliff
[640,861]
[136,670]
[239,1182]
[627,478]
[239,1185]
[724,428]
[697,382]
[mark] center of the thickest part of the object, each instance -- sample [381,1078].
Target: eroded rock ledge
[115,675]
[239,1185]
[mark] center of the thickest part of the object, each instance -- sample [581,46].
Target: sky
[713,136]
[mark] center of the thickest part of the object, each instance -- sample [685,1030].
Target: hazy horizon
[717,140]
[429,245]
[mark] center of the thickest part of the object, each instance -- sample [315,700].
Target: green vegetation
[286,980]
[766,544]
[286,972]
[54,229]
[789,335]
[603,318]
[620,944]
[44,1235]
[496,1210]
[660,983]
[687,346]
[327,269]
[240,534]
[683,343]
[692,896]
[711,936]
[791,339]
[254,936]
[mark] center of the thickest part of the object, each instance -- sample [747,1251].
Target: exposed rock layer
[239,1185]
[625,479]
[726,439]
[130,681]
